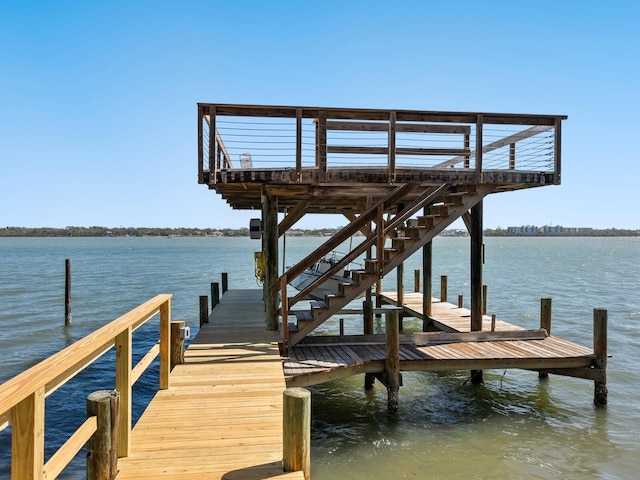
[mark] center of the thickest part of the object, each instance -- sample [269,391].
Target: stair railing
[375,214]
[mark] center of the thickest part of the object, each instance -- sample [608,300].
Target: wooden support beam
[321,141]
[124,384]
[400,127]
[293,215]
[298,144]
[392,362]
[427,281]
[270,236]
[391,154]
[212,145]
[476,277]
[557,150]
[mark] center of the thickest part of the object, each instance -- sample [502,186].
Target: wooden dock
[221,418]
[324,358]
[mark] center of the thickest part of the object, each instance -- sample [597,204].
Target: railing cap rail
[71,359]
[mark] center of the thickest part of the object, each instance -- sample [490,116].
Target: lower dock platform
[323,358]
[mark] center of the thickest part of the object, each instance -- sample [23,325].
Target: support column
[270,248]
[476,277]
[392,362]
[545,322]
[400,292]
[601,391]
[427,282]
[367,312]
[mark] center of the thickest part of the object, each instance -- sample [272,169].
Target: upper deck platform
[335,159]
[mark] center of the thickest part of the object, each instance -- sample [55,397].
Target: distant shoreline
[244,232]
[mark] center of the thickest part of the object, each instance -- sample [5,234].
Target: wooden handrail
[22,397]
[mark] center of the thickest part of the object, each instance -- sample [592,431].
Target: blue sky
[98,99]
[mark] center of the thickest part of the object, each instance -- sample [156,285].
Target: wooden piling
[545,322]
[601,391]
[296,431]
[400,282]
[342,327]
[101,446]
[367,312]
[484,299]
[67,292]
[427,277]
[215,294]
[177,343]
[460,301]
[493,322]
[443,288]
[225,282]
[392,361]
[416,280]
[204,309]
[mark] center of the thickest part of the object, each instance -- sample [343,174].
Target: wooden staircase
[445,204]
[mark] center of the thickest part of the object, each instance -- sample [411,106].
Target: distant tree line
[244,232]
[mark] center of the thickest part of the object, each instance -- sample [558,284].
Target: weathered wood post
[400,293]
[102,448]
[476,257]
[367,312]
[204,310]
[493,322]
[67,292]
[270,238]
[601,391]
[225,282]
[416,280]
[484,299]
[342,327]
[392,360]
[427,282]
[545,322]
[460,301]
[443,288]
[215,294]
[177,343]
[296,431]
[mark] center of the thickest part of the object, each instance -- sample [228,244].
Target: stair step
[331,297]
[390,253]
[428,221]
[399,242]
[442,210]
[317,305]
[303,315]
[454,199]
[345,287]
[370,265]
[414,232]
[466,189]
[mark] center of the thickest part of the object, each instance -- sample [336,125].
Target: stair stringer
[320,315]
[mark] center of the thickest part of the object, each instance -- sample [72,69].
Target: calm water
[513,426]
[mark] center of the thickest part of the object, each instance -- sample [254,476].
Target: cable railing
[317,140]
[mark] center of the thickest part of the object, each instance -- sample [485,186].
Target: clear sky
[98,99]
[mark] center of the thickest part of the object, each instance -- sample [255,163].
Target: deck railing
[319,139]
[22,398]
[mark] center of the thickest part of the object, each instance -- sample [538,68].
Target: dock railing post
[225,282]
[392,360]
[601,391]
[215,294]
[545,322]
[204,310]
[296,431]
[177,343]
[443,288]
[102,459]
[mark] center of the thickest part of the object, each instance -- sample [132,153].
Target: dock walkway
[221,418]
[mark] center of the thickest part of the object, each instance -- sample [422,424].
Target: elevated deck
[222,415]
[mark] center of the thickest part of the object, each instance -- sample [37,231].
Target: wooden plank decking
[221,418]
[320,359]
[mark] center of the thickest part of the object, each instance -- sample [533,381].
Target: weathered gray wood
[400,291]
[225,282]
[601,391]
[391,154]
[204,309]
[416,280]
[215,294]
[443,288]
[427,281]
[67,292]
[270,237]
[400,127]
[392,361]
[296,432]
